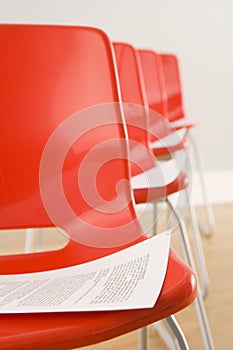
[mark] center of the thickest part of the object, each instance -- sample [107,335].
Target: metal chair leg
[143,338]
[180,340]
[207,230]
[171,334]
[166,334]
[200,308]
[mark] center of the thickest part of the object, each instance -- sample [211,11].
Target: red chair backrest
[149,124]
[154,81]
[173,86]
[135,106]
[49,73]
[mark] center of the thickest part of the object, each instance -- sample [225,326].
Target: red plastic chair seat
[69,330]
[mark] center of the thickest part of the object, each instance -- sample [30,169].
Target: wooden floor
[219,303]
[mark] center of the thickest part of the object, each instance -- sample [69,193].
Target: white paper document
[129,279]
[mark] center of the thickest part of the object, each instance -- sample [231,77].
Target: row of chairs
[108,122]
[133,79]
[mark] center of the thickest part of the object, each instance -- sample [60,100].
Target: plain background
[200,32]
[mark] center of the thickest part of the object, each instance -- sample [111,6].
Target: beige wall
[200,32]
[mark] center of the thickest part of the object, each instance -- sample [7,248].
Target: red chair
[47,74]
[144,183]
[176,115]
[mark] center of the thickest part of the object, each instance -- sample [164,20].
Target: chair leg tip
[206,231]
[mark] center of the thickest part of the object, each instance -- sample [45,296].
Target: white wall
[200,32]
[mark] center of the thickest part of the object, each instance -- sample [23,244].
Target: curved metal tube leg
[143,338]
[200,308]
[168,337]
[171,333]
[209,211]
[180,339]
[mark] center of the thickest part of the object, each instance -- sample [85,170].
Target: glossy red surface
[173,86]
[157,92]
[46,78]
[171,74]
[134,91]
[154,81]
[47,74]
[135,104]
